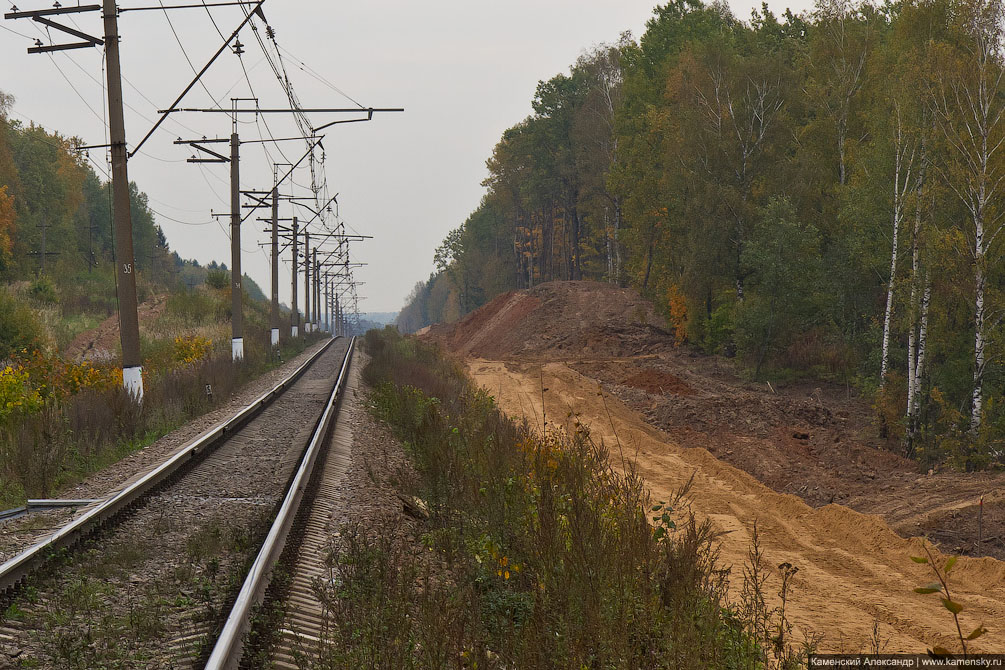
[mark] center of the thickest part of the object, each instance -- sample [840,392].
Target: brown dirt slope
[676,412]
[558,320]
[102,343]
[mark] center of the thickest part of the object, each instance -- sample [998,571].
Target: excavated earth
[804,462]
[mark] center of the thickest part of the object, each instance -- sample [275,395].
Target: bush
[75,418]
[42,290]
[194,308]
[218,279]
[19,328]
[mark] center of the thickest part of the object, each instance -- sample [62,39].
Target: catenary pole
[129,326]
[317,300]
[307,281]
[236,297]
[274,320]
[294,309]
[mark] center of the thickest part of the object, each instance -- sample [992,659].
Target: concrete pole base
[132,381]
[275,337]
[237,348]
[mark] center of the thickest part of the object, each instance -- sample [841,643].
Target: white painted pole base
[294,331]
[237,348]
[132,381]
[275,337]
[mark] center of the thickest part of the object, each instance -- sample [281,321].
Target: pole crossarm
[32,13]
[369,117]
[197,144]
[222,140]
[343,236]
[38,16]
[279,181]
[318,213]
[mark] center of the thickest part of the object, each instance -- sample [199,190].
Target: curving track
[152,585]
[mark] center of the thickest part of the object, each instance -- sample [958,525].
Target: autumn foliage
[815,194]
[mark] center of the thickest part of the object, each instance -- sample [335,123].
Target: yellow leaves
[16,392]
[677,306]
[189,349]
[35,378]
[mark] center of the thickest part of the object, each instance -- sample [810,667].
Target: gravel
[149,592]
[18,534]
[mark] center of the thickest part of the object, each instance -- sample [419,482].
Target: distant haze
[383,318]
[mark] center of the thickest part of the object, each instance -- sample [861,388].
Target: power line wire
[185,53]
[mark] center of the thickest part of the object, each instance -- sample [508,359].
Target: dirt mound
[854,571]
[559,320]
[657,381]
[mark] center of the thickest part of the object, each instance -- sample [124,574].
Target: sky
[464,70]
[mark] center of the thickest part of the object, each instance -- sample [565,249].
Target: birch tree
[844,37]
[904,147]
[737,103]
[967,94]
[596,147]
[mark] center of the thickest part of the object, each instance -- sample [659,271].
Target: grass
[536,553]
[50,450]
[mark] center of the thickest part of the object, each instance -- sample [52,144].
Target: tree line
[815,194]
[56,223]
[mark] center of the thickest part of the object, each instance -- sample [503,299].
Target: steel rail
[230,644]
[17,568]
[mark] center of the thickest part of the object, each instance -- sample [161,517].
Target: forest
[56,244]
[819,195]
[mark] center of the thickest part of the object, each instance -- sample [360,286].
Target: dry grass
[536,553]
[49,450]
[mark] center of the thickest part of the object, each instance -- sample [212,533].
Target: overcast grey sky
[465,70]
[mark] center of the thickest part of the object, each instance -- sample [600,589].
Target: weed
[205,542]
[13,613]
[145,621]
[941,587]
[65,420]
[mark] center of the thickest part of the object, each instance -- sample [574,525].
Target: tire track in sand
[853,569]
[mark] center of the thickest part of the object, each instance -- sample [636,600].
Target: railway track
[168,572]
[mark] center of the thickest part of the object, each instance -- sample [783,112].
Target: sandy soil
[805,461]
[853,568]
[813,440]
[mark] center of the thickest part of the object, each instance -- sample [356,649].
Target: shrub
[19,328]
[16,393]
[218,279]
[194,308]
[75,418]
[189,349]
[42,290]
